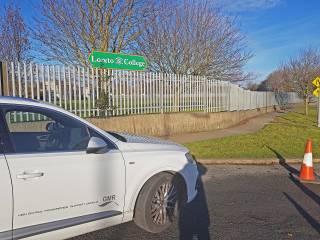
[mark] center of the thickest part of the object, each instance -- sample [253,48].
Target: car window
[1,135]
[5,145]
[45,131]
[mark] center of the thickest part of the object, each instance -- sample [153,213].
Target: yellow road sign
[316,92]
[316,81]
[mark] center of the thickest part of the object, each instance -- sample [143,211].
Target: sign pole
[316,92]
[318,110]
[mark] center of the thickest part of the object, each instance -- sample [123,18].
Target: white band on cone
[307,160]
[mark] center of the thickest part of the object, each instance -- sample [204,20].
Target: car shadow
[194,219]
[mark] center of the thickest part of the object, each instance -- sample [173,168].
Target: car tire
[159,202]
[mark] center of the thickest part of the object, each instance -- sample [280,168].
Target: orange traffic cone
[306,171]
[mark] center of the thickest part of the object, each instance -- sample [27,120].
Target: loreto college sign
[117,61]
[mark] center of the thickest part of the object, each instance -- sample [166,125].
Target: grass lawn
[286,136]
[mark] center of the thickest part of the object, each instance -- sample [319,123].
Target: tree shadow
[291,122]
[293,173]
[301,115]
[305,190]
[194,219]
[292,176]
[311,220]
[282,161]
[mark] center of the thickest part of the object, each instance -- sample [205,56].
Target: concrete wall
[28,126]
[175,123]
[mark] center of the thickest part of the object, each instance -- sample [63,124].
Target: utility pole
[316,92]
[318,110]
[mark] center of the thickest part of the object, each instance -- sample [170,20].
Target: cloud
[247,5]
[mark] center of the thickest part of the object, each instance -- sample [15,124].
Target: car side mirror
[96,145]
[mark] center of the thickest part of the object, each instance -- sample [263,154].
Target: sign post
[1,80]
[316,92]
[117,61]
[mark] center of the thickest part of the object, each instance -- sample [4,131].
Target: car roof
[10,99]
[13,98]
[32,103]
[25,101]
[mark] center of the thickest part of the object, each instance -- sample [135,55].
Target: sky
[275,29]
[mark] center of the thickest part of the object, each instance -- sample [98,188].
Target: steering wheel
[54,138]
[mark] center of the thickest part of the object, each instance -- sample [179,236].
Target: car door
[5,190]
[56,184]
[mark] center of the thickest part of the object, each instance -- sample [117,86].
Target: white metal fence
[91,92]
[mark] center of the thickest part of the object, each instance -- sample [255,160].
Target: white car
[61,176]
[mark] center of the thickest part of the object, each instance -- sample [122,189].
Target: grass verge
[286,135]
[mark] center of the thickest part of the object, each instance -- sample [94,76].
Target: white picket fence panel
[78,89]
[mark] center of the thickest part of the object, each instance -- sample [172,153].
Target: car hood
[136,142]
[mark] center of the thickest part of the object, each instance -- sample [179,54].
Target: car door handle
[30,175]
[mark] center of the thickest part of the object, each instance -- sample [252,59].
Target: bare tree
[14,37]
[193,37]
[297,74]
[277,80]
[302,70]
[68,30]
[252,86]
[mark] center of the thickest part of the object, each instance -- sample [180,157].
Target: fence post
[266,101]
[229,93]
[205,94]
[161,92]
[4,84]
[238,97]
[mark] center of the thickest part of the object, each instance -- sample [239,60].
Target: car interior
[33,132]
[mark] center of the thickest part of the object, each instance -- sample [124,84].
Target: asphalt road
[240,202]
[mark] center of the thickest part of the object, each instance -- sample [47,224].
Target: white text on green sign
[117,61]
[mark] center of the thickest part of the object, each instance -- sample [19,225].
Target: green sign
[117,61]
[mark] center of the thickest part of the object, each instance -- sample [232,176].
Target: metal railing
[92,92]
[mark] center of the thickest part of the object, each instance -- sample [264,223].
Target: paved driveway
[250,125]
[240,202]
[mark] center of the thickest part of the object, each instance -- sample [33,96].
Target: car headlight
[190,158]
